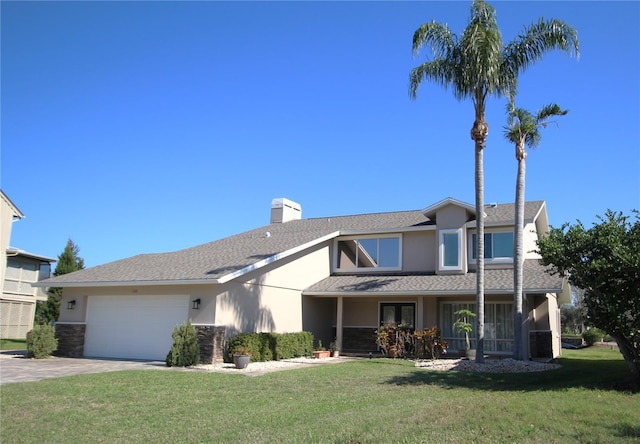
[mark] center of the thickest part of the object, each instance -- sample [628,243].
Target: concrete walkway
[14,367]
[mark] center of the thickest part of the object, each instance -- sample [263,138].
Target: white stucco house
[337,277]
[18,270]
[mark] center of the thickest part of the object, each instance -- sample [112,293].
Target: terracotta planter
[241,361]
[321,354]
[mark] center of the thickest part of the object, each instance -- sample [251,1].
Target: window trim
[441,252]
[336,252]
[489,260]
[398,304]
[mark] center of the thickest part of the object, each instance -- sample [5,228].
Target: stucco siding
[270,299]
[204,315]
[529,237]
[419,251]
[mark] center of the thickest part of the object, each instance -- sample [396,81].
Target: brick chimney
[284,210]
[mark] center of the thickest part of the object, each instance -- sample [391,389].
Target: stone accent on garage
[211,343]
[70,339]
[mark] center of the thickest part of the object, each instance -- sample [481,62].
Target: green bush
[185,350]
[592,336]
[41,342]
[294,345]
[271,346]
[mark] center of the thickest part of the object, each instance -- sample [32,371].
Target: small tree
[68,262]
[185,351]
[463,324]
[604,261]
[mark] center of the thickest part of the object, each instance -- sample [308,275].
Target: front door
[400,313]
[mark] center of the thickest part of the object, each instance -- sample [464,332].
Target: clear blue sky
[141,127]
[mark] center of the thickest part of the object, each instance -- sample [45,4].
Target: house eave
[45,284]
[415,293]
[387,230]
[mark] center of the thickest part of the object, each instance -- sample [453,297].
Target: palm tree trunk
[479,134]
[518,255]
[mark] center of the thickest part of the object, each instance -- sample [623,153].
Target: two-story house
[18,270]
[337,277]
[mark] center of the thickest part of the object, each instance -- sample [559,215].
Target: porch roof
[497,281]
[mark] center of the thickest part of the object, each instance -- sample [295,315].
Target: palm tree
[477,65]
[523,129]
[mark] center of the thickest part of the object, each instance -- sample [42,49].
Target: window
[450,253]
[496,246]
[498,326]
[369,253]
[403,313]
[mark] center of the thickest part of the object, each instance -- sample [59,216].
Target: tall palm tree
[477,65]
[523,129]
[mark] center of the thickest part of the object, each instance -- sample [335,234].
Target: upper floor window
[368,253]
[496,245]
[450,249]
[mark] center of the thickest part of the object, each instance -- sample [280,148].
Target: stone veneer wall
[211,343]
[540,344]
[358,339]
[70,339]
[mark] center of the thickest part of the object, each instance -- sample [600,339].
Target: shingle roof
[226,258]
[496,281]
[214,260]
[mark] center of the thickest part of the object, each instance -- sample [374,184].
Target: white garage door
[137,327]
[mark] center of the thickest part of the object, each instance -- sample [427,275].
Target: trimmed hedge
[271,346]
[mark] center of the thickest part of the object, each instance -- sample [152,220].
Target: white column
[420,314]
[339,323]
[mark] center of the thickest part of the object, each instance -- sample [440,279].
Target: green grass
[368,401]
[13,344]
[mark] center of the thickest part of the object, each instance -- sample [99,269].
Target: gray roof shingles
[214,260]
[496,281]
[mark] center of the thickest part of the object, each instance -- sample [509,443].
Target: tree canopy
[68,262]
[604,260]
[475,65]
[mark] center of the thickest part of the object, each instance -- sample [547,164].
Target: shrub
[395,340]
[592,336]
[430,343]
[185,350]
[271,346]
[41,342]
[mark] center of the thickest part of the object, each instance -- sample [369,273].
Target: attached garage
[133,327]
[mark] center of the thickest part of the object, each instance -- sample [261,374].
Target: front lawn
[368,401]
[13,344]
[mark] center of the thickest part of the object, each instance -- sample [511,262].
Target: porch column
[339,323]
[420,314]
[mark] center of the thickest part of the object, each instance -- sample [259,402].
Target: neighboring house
[19,269]
[337,277]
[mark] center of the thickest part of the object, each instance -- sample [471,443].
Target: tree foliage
[604,261]
[476,65]
[68,262]
[523,130]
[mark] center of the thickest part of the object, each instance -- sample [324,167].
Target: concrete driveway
[14,367]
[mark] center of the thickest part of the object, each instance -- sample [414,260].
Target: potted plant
[241,357]
[463,325]
[334,349]
[320,352]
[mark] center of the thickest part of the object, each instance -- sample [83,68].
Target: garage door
[133,327]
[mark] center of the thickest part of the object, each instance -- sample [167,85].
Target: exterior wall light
[196,304]
[71,304]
